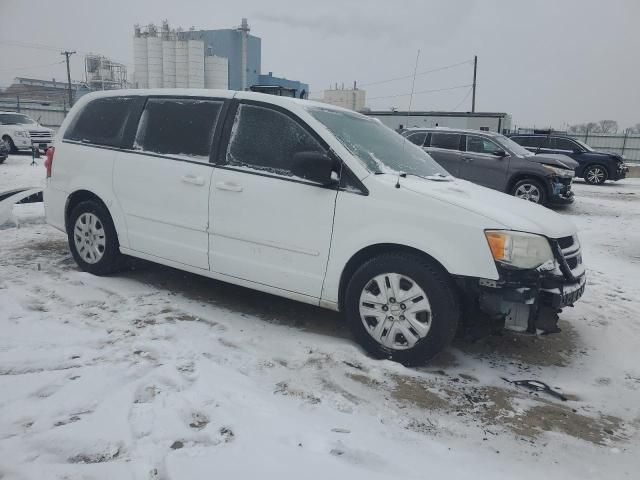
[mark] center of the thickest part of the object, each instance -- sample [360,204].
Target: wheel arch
[524,176]
[367,253]
[76,198]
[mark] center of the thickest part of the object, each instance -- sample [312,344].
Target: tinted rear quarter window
[181,127]
[103,121]
[450,141]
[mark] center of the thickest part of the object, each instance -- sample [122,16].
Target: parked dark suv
[595,167]
[495,161]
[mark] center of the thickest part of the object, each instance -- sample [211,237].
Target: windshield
[512,146]
[15,119]
[380,149]
[584,145]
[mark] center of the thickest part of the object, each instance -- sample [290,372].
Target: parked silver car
[495,161]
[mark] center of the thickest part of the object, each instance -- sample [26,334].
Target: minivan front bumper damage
[530,300]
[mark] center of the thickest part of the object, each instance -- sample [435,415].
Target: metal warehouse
[490,121]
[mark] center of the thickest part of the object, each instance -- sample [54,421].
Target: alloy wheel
[528,191]
[596,175]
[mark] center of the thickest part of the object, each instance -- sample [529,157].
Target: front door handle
[230,186]
[467,159]
[193,180]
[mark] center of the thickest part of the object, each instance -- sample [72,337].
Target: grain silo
[140,78]
[216,72]
[196,63]
[182,64]
[154,60]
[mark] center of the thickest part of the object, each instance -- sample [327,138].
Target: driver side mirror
[316,167]
[500,153]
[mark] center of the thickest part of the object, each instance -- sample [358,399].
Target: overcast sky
[546,62]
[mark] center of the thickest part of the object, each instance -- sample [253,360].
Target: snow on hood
[513,213]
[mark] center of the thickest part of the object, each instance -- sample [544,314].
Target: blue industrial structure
[302,89]
[228,43]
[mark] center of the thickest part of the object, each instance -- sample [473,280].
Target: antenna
[413,84]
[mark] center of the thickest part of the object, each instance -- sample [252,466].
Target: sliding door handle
[229,186]
[193,180]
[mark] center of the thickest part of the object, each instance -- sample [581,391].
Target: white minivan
[307,201]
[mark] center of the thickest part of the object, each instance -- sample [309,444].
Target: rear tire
[595,174]
[93,240]
[416,329]
[531,190]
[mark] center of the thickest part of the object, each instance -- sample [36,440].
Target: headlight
[561,172]
[21,133]
[517,249]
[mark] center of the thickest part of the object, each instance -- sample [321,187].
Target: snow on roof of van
[214,93]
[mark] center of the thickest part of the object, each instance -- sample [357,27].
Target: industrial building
[102,73]
[225,58]
[352,98]
[163,59]
[26,91]
[489,121]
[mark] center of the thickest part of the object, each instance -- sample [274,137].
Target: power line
[425,72]
[421,92]
[31,66]
[463,99]
[52,48]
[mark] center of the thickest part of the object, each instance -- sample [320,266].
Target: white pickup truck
[20,132]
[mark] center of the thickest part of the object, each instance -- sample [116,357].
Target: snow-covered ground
[160,374]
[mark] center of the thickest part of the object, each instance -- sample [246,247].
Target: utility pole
[67,54]
[475,71]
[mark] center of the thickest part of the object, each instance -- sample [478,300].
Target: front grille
[571,253]
[40,135]
[565,242]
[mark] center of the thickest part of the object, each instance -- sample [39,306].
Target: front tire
[93,240]
[9,143]
[531,190]
[401,306]
[595,175]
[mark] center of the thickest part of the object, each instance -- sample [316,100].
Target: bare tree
[578,128]
[608,126]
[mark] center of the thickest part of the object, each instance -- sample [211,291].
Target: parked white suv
[307,201]
[20,132]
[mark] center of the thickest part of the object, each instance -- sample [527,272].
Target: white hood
[513,213]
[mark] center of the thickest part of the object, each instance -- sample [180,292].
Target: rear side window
[265,139]
[417,138]
[103,121]
[450,141]
[534,142]
[180,127]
